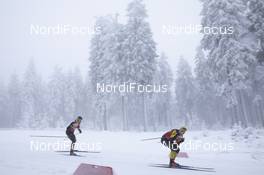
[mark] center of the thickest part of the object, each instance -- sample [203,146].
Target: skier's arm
[80,131]
[173,133]
[179,139]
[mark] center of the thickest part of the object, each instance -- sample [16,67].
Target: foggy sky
[18,45]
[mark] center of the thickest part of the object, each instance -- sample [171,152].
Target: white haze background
[18,46]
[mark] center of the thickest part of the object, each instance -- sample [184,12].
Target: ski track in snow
[126,154]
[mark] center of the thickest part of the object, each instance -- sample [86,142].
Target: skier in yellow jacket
[172,139]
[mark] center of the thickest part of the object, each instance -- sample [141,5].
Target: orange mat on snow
[88,169]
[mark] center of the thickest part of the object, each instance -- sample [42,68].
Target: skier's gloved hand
[80,131]
[182,140]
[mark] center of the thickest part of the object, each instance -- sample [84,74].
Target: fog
[18,45]
[193,63]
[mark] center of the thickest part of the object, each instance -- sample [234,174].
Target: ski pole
[154,138]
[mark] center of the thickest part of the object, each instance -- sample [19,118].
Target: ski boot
[72,153]
[173,164]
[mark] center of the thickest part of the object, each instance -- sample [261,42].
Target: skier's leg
[73,139]
[72,148]
[173,155]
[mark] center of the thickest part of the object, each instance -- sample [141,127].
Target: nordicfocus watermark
[63,29]
[64,145]
[190,146]
[130,88]
[196,29]
[201,146]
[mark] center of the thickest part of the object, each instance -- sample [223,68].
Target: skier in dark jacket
[172,139]
[70,132]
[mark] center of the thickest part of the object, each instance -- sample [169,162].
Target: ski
[205,168]
[76,155]
[80,151]
[49,136]
[193,168]
[186,166]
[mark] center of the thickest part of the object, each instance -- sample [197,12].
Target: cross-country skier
[172,139]
[70,132]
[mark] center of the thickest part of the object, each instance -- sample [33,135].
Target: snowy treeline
[225,88]
[230,76]
[31,102]
[124,53]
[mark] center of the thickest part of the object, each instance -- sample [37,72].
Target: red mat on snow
[183,155]
[88,169]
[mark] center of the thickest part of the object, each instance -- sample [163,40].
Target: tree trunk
[261,112]
[144,112]
[235,112]
[245,107]
[124,114]
[105,117]
[166,115]
[258,114]
[240,113]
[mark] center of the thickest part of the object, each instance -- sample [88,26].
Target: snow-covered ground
[241,153]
